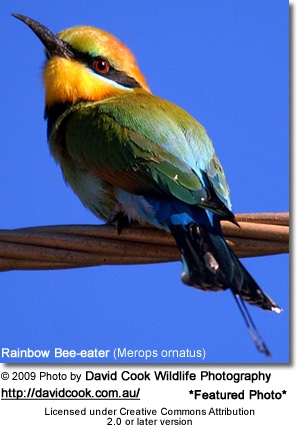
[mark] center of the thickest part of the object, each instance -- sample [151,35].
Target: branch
[63,247]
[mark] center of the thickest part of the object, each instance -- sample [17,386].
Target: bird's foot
[118,218]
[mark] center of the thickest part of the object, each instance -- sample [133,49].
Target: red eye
[101,66]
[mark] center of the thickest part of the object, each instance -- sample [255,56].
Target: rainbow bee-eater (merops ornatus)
[133,157]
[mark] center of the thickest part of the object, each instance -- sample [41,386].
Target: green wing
[145,145]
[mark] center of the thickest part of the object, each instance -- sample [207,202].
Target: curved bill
[54,45]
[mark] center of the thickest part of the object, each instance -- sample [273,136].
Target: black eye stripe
[122,78]
[119,77]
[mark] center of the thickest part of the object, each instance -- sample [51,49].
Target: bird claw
[118,218]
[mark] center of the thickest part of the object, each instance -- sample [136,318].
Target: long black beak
[54,45]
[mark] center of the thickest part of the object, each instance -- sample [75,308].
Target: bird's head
[85,64]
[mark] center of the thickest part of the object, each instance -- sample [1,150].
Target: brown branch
[61,247]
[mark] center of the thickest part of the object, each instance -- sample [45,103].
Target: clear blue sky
[225,62]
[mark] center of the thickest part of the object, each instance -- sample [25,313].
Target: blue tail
[209,264]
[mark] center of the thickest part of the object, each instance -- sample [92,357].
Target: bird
[133,157]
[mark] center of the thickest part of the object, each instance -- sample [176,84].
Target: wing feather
[147,146]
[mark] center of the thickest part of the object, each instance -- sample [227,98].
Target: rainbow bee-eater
[133,157]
